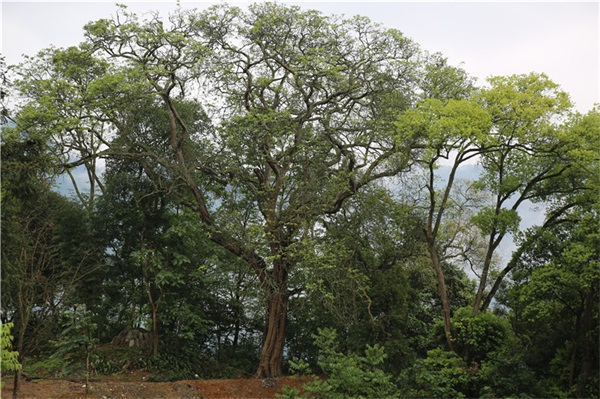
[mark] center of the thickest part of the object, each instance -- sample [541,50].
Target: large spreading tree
[270,119]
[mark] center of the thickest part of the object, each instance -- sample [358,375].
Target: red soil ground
[136,386]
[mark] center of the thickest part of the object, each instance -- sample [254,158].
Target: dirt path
[141,389]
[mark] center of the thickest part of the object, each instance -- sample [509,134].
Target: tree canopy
[255,176]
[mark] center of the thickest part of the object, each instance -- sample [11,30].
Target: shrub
[476,336]
[347,376]
[442,374]
[10,358]
[76,342]
[506,375]
[109,359]
[50,366]
[488,363]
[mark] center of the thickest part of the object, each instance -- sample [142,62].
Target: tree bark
[154,331]
[494,241]
[271,358]
[443,295]
[17,379]
[16,384]
[154,312]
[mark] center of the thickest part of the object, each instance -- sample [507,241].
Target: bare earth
[134,385]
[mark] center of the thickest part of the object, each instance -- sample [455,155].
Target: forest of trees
[272,189]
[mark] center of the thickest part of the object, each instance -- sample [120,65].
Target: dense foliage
[249,192]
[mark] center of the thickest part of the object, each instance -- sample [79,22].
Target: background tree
[371,285]
[43,256]
[512,130]
[451,129]
[64,103]
[532,151]
[4,92]
[556,274]
[163,273]
[574,188]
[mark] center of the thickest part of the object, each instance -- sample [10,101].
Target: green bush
[487,362]
[347,376]
[506,375]
[476,336]
[172,364]
[442,374]
[50,366]
[10,358]
[109,359]
[76,342]
[173,367]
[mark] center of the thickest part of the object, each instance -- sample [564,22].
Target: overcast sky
[559,39]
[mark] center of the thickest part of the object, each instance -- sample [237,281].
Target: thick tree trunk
[443,295]
[16,384]
[17,379]
[271,358]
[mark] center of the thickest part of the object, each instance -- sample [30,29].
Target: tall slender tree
[514,130]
